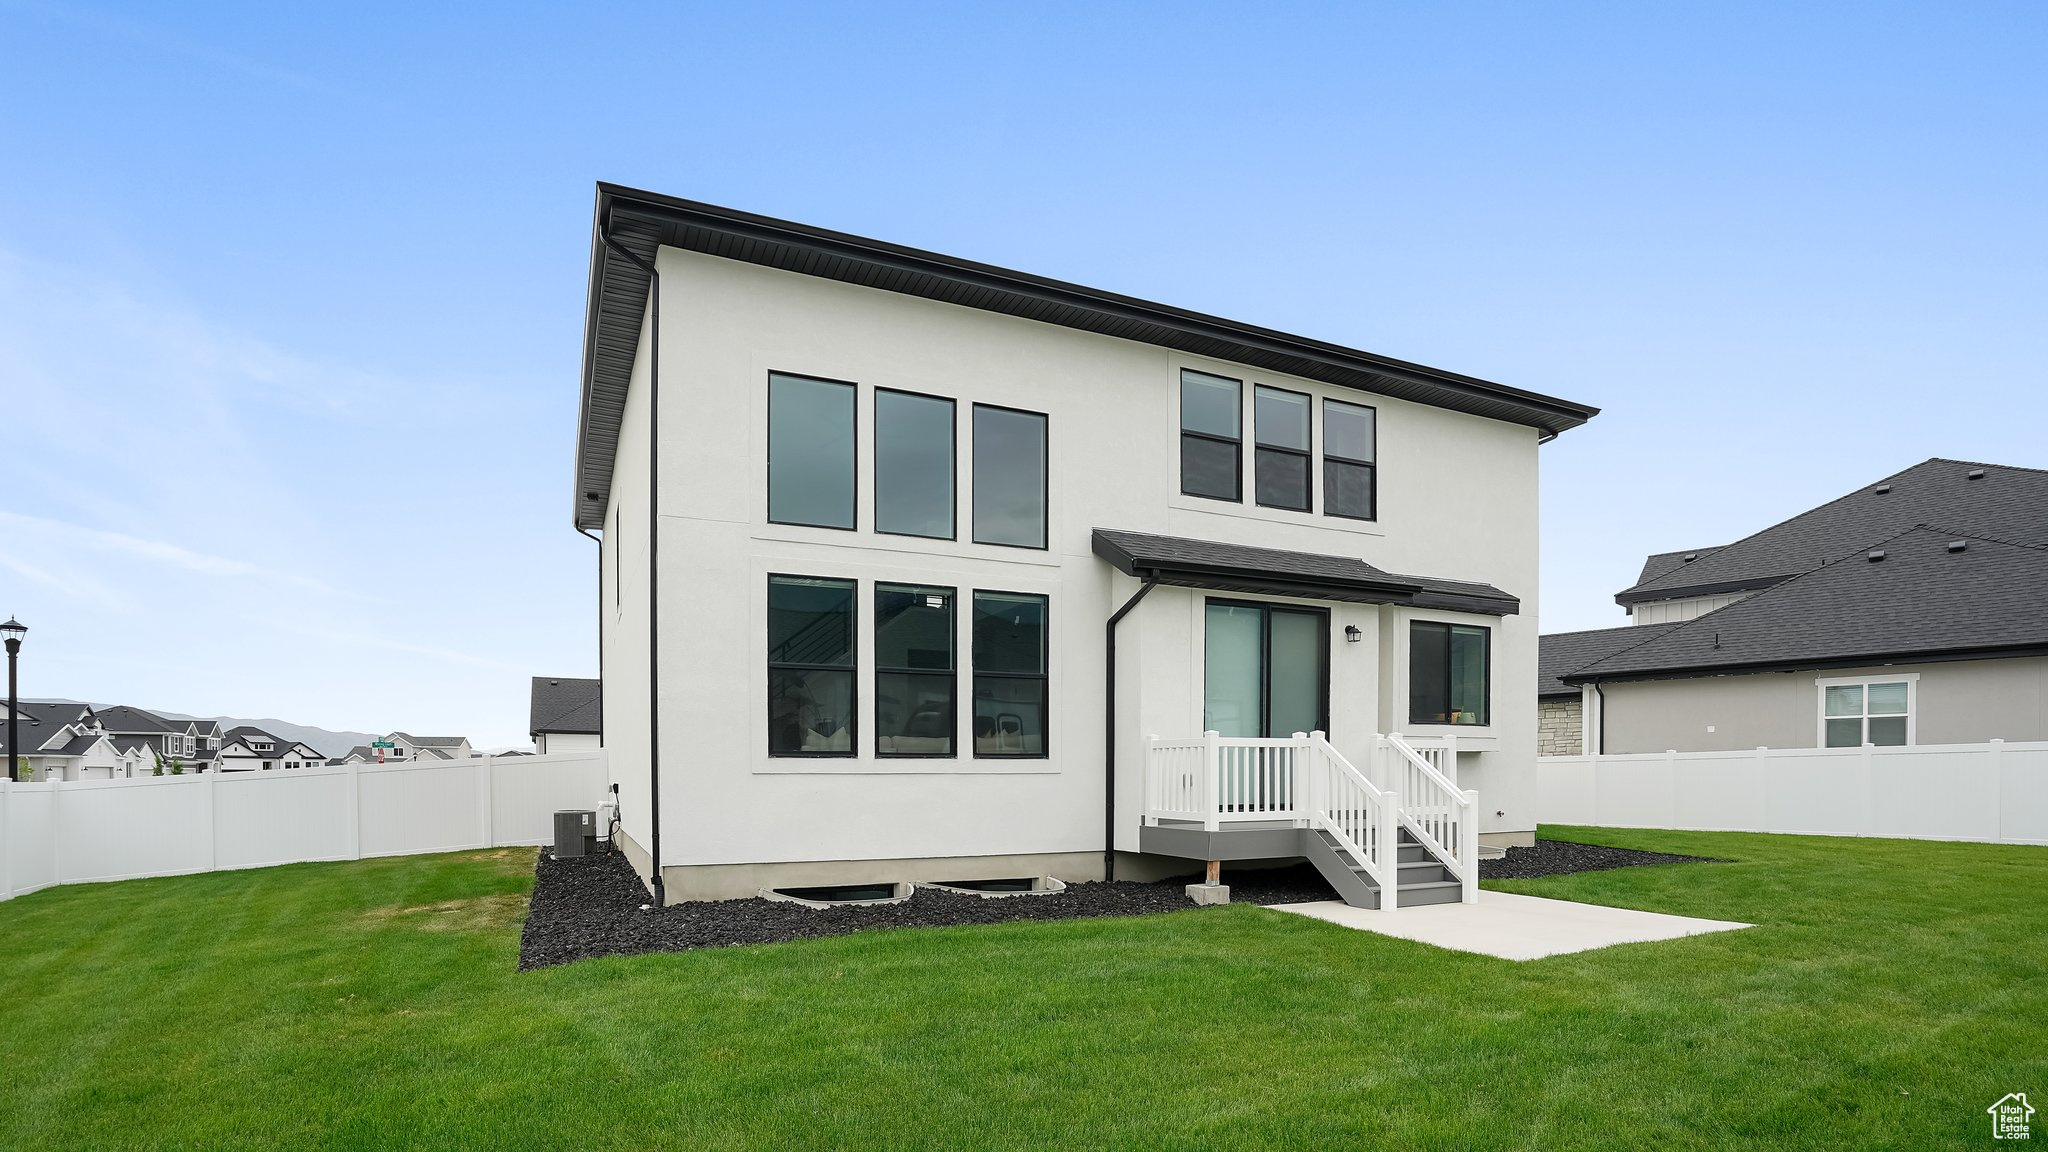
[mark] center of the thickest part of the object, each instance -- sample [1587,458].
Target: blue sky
[291,295]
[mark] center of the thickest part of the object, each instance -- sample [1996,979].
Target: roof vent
[1690,557]
[1875,554]
[1958,545]
[1976,473]
[1882,489]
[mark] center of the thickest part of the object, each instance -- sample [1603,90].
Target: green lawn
[1893,990]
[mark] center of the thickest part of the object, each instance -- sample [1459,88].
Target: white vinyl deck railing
[1302,780]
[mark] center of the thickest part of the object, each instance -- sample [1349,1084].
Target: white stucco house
[917,569]
[565,714]
[249,749]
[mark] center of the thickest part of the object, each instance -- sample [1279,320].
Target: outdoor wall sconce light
[1352,635]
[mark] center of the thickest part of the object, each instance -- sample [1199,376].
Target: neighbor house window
[1009,477]
[913,670]
[1009,674]
[810,666]
[810,451]
[1876,712]
[1211,436]
[1447,673]
[1280,422]
[1350,480]
[913,464]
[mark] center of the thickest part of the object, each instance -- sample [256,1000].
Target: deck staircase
[1397,835]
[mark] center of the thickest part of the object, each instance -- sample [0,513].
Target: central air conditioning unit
[575,833]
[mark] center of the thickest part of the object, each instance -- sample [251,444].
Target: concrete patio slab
[1514,927]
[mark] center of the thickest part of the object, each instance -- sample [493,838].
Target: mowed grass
[1892,991]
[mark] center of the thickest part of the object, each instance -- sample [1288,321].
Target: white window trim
[1821,684]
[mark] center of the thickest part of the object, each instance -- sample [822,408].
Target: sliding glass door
[1265,669]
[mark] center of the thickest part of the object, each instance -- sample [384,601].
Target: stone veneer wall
[1557,728]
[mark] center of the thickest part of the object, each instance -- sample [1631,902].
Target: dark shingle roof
[565,704]
[2004,503]
[1563,652]
[1271,571]
[246,733]
[430,741]
[1659,564]
[122,718]
[1920,601]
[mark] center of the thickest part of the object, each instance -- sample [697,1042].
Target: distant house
[247,749]
[193,742]
[409,747]
[566,714]
[1910,611]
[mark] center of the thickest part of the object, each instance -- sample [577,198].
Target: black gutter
[600,633]
[1876,660]
[1109,729]
[653,566]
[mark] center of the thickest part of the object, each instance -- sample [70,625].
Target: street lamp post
[13,631]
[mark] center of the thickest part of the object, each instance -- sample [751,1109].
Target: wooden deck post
[1215,873]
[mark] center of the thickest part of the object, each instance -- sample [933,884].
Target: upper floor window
[1349,481]
[810,666]
[810,451]
[1009,477]
[1280,422]
[913,464]
[913,670]
[1876,712]
[1211,436]
[1448,673]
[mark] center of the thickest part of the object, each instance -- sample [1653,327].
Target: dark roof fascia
[1750,584]
[1935,656]
[653,214]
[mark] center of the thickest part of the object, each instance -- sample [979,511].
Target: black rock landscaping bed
[592,906]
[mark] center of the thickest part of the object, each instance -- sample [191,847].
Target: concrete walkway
[1514,927]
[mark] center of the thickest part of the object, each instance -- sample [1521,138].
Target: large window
[1448,673]
[810,451]
[1009,674]
[810,666]
[913,464]
[1009,477]
[1211,436]
[1350,487]
[913,670]
[1280,422]
[1876,712]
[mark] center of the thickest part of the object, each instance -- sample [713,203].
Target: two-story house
[248,749]
[918,569]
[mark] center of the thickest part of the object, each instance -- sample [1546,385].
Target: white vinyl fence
[1996,791]
[79,831]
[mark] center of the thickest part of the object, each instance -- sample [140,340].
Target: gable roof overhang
[641,222]
[1189,563]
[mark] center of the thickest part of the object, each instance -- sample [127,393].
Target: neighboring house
[1910,611]
[247,749]
[409,747]
[566,714]
[49,732]
[193,742]
[913,509]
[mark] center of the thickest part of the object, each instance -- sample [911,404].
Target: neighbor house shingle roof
[566,704]
[1192,563]
[1660,564]
[430,741]
[1563,652]
[122,718]
[1920,601]
[2003,503]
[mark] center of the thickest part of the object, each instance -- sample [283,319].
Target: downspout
[600,632]
[653,567]
[1600,723]
[1109,729]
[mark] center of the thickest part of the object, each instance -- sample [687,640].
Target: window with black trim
[913,464]
[1280,460]
[1350,445]
[810,451]
[1009,477]
[1448,672]
[1211,436]
[810,666]
[1010,674]
[914,674]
